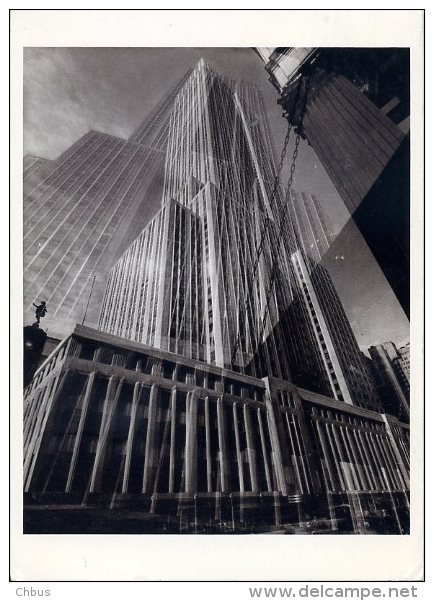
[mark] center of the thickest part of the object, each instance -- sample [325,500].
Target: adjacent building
[34,340]
[353,106]
[102,185]
[391,371]
[348,378]
[403,360]
[93,190]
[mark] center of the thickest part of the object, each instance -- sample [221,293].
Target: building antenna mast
[88,300]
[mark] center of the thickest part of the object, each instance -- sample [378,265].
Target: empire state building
[215,275]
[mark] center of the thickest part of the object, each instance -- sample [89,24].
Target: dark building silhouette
[353,106]
[393,384]
[34,341]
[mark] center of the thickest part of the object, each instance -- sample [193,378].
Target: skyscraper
[70,216]
[357,108]
[204,278]
[403,361]
[392,379]
[309,224]
[217,275]
[73,206]
[348,379]
[353,105]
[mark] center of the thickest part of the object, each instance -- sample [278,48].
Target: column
[208,447]
[348,484]
[351,458]
[106,420]
[330,436]
[397,453]
[238,448]
[294,454]
[251,451]
[172,442]
[150,450]
[79,433]
[363,471]
[130,439]
[264,450]
[191,443]
[301,456]
[327,458]
[273,415]
[369,470]
[50,397]
[389,467]
[223,446]
[372,449]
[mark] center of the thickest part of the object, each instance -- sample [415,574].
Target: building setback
[111,423]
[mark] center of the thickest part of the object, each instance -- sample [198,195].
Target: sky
[69,91]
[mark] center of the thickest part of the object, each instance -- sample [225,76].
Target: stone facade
[113,424]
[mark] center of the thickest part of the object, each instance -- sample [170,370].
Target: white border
[147,557]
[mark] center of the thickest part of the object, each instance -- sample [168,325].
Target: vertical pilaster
[327,458]
[208,447]
[150,450]
[130,439]
[373,470]
[251,451]
[50,396]
[336,458]
[238,448]
[280,453]
[264,450]
[352,441]
[223,446]
[364,459]
[374,455]
[172,442]
[106,421]
[398,457]
[191,444]
[79,433]
[305,445]
[351,460]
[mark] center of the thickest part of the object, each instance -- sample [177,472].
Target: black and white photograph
[216,290]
